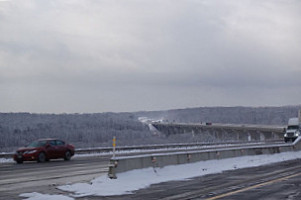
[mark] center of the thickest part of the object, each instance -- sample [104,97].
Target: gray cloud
[94,56]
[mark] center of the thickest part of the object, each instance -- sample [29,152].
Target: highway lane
[43,177]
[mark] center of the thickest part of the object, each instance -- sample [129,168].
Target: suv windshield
[293,127]
[37,144]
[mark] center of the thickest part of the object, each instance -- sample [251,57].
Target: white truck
[293,129]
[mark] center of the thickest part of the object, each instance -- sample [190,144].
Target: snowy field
[131,181]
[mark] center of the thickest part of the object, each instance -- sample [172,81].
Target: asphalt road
[16,179]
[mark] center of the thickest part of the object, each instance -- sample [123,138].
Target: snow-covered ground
[130,181]
[38,196]
[147,120]
[6,160]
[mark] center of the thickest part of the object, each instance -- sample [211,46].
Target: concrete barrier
[126,163]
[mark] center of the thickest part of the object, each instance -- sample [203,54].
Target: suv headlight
[285,135]
[297,133]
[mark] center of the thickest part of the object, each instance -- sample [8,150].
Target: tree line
[98,129]
[82,130]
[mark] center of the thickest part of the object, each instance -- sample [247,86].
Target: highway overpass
[233,132]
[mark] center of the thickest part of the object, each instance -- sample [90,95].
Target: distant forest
[231,115]
[91,130]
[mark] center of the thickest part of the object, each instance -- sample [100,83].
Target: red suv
[43,150]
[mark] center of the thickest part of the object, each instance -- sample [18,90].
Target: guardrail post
[114,146]
[112,172]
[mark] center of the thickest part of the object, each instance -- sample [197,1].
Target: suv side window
[52,143]
[60,143]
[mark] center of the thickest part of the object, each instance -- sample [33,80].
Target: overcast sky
[79,56]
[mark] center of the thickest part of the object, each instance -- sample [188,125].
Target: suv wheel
[67,155]
[42,157]
[19,161]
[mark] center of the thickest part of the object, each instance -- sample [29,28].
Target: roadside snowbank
[6,160]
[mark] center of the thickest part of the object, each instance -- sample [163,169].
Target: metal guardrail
[127,148]
[140,147]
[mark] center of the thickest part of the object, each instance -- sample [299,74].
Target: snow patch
[147,120]
[6,160]
[38,196]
